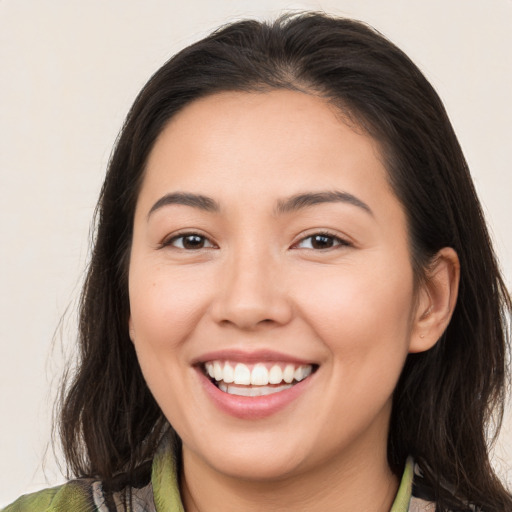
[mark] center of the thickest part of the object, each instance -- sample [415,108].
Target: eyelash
[334,239]
[182,236]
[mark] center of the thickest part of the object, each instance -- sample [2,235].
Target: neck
[353,484]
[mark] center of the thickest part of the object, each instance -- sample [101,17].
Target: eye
[319,241]
[189,242]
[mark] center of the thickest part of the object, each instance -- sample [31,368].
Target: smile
[254,380]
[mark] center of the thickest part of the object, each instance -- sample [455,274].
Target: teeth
[229,374]
[288,373]
[275,375]
[217,371]
[302,372]
[252,390]
[242,374]
[260,375]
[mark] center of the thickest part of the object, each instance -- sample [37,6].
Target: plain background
[70,70]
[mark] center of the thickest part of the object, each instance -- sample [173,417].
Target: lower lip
[252,407]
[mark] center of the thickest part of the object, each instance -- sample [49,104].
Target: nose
[252,292]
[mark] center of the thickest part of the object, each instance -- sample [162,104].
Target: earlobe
[436,300]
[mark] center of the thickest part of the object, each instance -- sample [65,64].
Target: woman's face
[268,247]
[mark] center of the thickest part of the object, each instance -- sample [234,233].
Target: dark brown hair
[446,397]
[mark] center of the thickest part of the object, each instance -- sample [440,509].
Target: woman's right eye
[189,242]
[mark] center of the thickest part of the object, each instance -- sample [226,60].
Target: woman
[293,302]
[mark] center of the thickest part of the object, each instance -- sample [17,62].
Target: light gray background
[69,72]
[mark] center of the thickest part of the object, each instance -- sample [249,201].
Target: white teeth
[275,375]
[260,375]
[252,391]
[302,372]
[229,374]
[242,374]
[288,373]
[217,371]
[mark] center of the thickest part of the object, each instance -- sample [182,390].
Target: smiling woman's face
[269,248]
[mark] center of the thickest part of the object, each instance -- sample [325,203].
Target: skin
[258,283]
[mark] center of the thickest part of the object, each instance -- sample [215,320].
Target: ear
[436,300]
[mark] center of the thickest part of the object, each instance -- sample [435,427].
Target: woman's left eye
[320,241]
[189,241]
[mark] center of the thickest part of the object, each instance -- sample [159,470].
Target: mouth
[256,379]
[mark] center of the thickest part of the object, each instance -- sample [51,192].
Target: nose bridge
[252,290]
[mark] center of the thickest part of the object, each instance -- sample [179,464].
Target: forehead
[263,144]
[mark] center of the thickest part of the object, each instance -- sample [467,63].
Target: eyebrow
[195,200]
[306,200]
[291,204]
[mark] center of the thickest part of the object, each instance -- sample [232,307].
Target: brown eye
[189,242]
[321,241]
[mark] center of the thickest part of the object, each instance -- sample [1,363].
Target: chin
[253,461]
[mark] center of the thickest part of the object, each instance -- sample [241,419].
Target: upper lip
[250,356]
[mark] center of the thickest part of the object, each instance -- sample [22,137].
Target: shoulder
[84,495]
[75,495]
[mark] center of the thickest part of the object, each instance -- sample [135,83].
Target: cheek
[164,306]
[165,309]
[358,310]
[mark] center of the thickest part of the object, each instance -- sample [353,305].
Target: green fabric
[164,478]
[38,501]
[66,498]
[403,496]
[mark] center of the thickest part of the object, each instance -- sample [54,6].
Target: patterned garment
[161,493]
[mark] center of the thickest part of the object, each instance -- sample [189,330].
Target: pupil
[322,242]
[193,242]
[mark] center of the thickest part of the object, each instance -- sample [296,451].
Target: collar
[403,496]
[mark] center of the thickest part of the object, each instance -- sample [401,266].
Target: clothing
[161,493]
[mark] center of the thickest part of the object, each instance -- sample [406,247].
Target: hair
[448,397]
